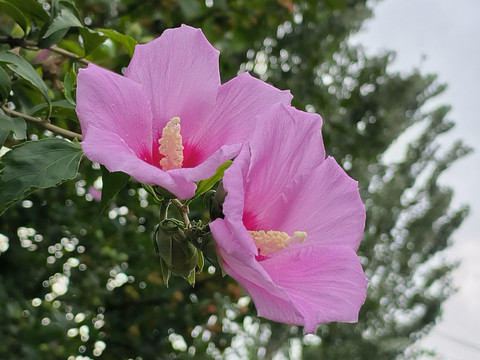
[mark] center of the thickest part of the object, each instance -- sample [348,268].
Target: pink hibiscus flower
[293,222]
[169,121]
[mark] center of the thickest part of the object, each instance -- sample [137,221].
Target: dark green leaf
[16,124]
[61,108]
[23,69]
[5,85]
[127,41]
[166,273]
[68,88]
[37,164]
[204,185]
[53,39]
[91,39]
[201,262]
[31,8]
[70,6]
[65,20]
[113,182]
[16,15]
[5,128]
[19,128]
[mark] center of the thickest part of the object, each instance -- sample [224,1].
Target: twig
[164,209]
[45,124]
[183,209]
[69,54]
[32,45]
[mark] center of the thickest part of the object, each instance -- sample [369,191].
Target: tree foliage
[80,277]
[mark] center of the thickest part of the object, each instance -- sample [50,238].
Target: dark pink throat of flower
[171,151]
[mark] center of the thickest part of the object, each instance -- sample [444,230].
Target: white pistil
[171,145]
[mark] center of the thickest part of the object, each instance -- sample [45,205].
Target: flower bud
[179,255]
[202,239]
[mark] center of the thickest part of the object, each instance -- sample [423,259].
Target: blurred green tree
[80,278]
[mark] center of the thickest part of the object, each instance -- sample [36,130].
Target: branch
[69,54]
[164,209]
[45,124]
[183,209]
[32,45]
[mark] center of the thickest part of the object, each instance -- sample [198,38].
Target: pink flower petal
[175,75]
[208,167]
[127,161]
[323,283]
[116,122]
[179,71]
[325,202]
[286,143]
[280,181]
[301,285]
[240,259]
[116,105]
[233,119]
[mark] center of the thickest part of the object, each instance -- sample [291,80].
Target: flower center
[271,240]
[171,145]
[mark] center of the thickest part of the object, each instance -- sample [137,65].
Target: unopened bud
[179,255]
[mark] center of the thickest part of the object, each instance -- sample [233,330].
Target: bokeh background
[436,36]
[78,281]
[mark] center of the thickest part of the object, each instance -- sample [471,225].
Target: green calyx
[177,254]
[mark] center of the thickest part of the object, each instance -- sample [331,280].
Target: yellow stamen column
[171,145]
[271,240]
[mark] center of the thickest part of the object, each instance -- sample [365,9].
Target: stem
[183,209]
[164,209]
[32,45]
[69,54]
[45,124]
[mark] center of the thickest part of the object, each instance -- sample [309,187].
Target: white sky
[443,37]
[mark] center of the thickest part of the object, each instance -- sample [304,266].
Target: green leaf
[61,108]
[16,124]
[113,182]
[68,88]
[22,68]
[53,39]
[16,15]
[204,185]
[5,128]
[70,6]
[201,262]
[5,85]
[64,20]
[31,8]
[191,278]
[127,41]
[91,39]
[19,128]
[166,273]
[37,164]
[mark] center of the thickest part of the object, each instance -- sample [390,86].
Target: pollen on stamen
[171,145]
[271,240]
